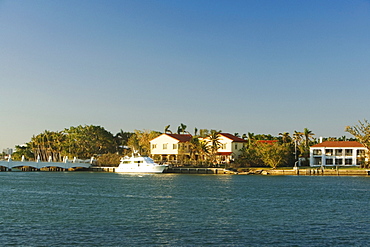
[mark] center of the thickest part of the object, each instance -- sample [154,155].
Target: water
[108,209]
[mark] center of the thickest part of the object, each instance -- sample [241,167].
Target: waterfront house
[337,153]
[230,147]
[168,147]
[172,147]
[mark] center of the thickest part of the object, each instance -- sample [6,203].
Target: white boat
[139,164]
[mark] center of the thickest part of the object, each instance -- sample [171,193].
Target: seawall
[324,172]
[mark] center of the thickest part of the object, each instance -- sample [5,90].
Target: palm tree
[250,138]
[342,138]
[194,148]
[167,129]
[297,138]
[181,129]
[285,137]
[307,136]
[203,132]
[195,131]
[121,139]
[203,150]
[214,139]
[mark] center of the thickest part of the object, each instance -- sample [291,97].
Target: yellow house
[168,147]
[230,147]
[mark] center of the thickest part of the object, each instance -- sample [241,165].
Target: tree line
[89,141]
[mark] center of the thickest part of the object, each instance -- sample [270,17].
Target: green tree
[109,159]
[274,154]
[285,137]
[195,131]
[167,129]
[250,138]
[181,129]
[194,148]
[48,144]
[298,143]
[121,140]
[89,140]
[139,141]
[215,144]
[25,151]
[307,137]
[204,133]
[361,132]
[133,143]
[250,156]
[198,150]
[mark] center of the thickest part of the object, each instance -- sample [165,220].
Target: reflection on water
[108,209]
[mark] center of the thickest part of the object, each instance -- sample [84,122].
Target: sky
[259,66]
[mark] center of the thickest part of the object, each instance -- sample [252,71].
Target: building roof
[267,141]
[232,137]
[181,137]
[225,153]
[339,144]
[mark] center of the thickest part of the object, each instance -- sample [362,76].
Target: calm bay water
[108,209]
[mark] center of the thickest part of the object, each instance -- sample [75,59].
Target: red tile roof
[267,141]
[181,137]
[232,137]
[224,153]
[339,144]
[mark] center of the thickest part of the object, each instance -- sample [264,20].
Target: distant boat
[139,164]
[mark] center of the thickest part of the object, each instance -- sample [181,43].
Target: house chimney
[320,139]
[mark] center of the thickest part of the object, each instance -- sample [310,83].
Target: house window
[317,161]
[329,152]
[223,146]
[348,162]
[174,146]
[338,162]
[329,161]
[338,152]
[154,146]
[236,145]
[317,152]
[165,146]
[348,152]
[360,152]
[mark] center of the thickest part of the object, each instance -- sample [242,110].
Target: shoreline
[318,172]
[221,171]
[260,171]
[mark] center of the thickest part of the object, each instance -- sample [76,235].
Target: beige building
[170,147]
[230,147]
[167,147]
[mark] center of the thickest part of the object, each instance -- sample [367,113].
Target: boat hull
[140,169]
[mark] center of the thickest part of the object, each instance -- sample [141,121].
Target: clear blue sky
[263,66]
